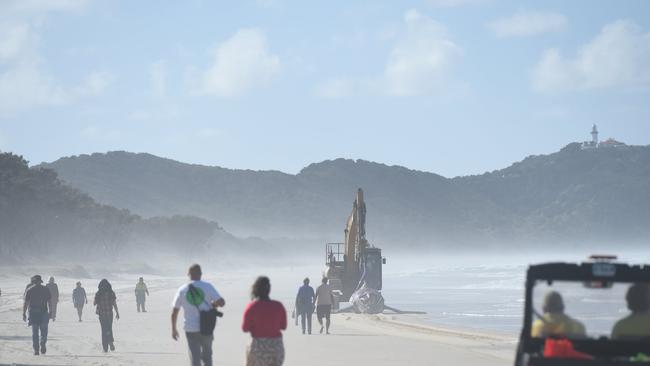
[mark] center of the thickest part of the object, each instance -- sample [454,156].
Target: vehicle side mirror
[383,260]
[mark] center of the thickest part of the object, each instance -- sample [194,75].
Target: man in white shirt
[201,296]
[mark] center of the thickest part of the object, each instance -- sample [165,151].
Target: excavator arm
[355,233]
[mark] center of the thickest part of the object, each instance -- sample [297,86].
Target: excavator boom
[355,232]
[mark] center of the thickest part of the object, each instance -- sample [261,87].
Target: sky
[453,87]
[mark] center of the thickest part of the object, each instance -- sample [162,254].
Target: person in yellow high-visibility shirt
[554,322]
[141,292]
[637,324]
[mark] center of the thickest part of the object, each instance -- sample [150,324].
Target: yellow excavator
[354,268]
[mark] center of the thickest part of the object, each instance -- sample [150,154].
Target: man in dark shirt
[37,300]
[305,305]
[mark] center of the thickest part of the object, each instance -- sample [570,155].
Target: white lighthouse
[594,135]
[595,143]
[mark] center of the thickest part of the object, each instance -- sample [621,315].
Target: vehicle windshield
[592,310]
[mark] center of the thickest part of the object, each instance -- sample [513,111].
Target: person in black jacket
[106,301]
[305,305]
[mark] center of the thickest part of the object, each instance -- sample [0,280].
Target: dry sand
[145,338]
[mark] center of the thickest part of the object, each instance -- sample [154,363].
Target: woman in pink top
[264,319]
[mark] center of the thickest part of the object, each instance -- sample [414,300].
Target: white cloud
[241,63]
[24,86]
[24,82]
[15,41]
[419,63]
[619,56]
[158,78]
[527,24]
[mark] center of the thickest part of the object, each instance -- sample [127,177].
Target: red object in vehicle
[563,348]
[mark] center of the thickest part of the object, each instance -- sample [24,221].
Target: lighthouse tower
[594,135]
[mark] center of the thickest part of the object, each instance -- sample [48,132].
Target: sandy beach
[145,338]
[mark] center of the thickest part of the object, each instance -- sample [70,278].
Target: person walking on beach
[54,300]
[141,292]
[324,301]
[106,301]
[264,319]
[79,299]
[37,301]
[305,305]
[195,298]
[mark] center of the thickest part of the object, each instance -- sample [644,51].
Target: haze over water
[487,293]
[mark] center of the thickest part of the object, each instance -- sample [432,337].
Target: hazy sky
[448,86]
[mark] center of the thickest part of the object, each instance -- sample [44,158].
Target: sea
[487,293]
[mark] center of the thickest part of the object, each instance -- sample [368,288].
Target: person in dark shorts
[324,301]
[106,301]
[305,305]
[37,300]
[79,299]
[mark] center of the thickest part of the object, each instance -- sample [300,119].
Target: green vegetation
[600,195]
[575,196]
[40,217]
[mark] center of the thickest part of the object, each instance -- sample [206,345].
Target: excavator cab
[371,268]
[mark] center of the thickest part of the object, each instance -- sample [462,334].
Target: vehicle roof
[589,271]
